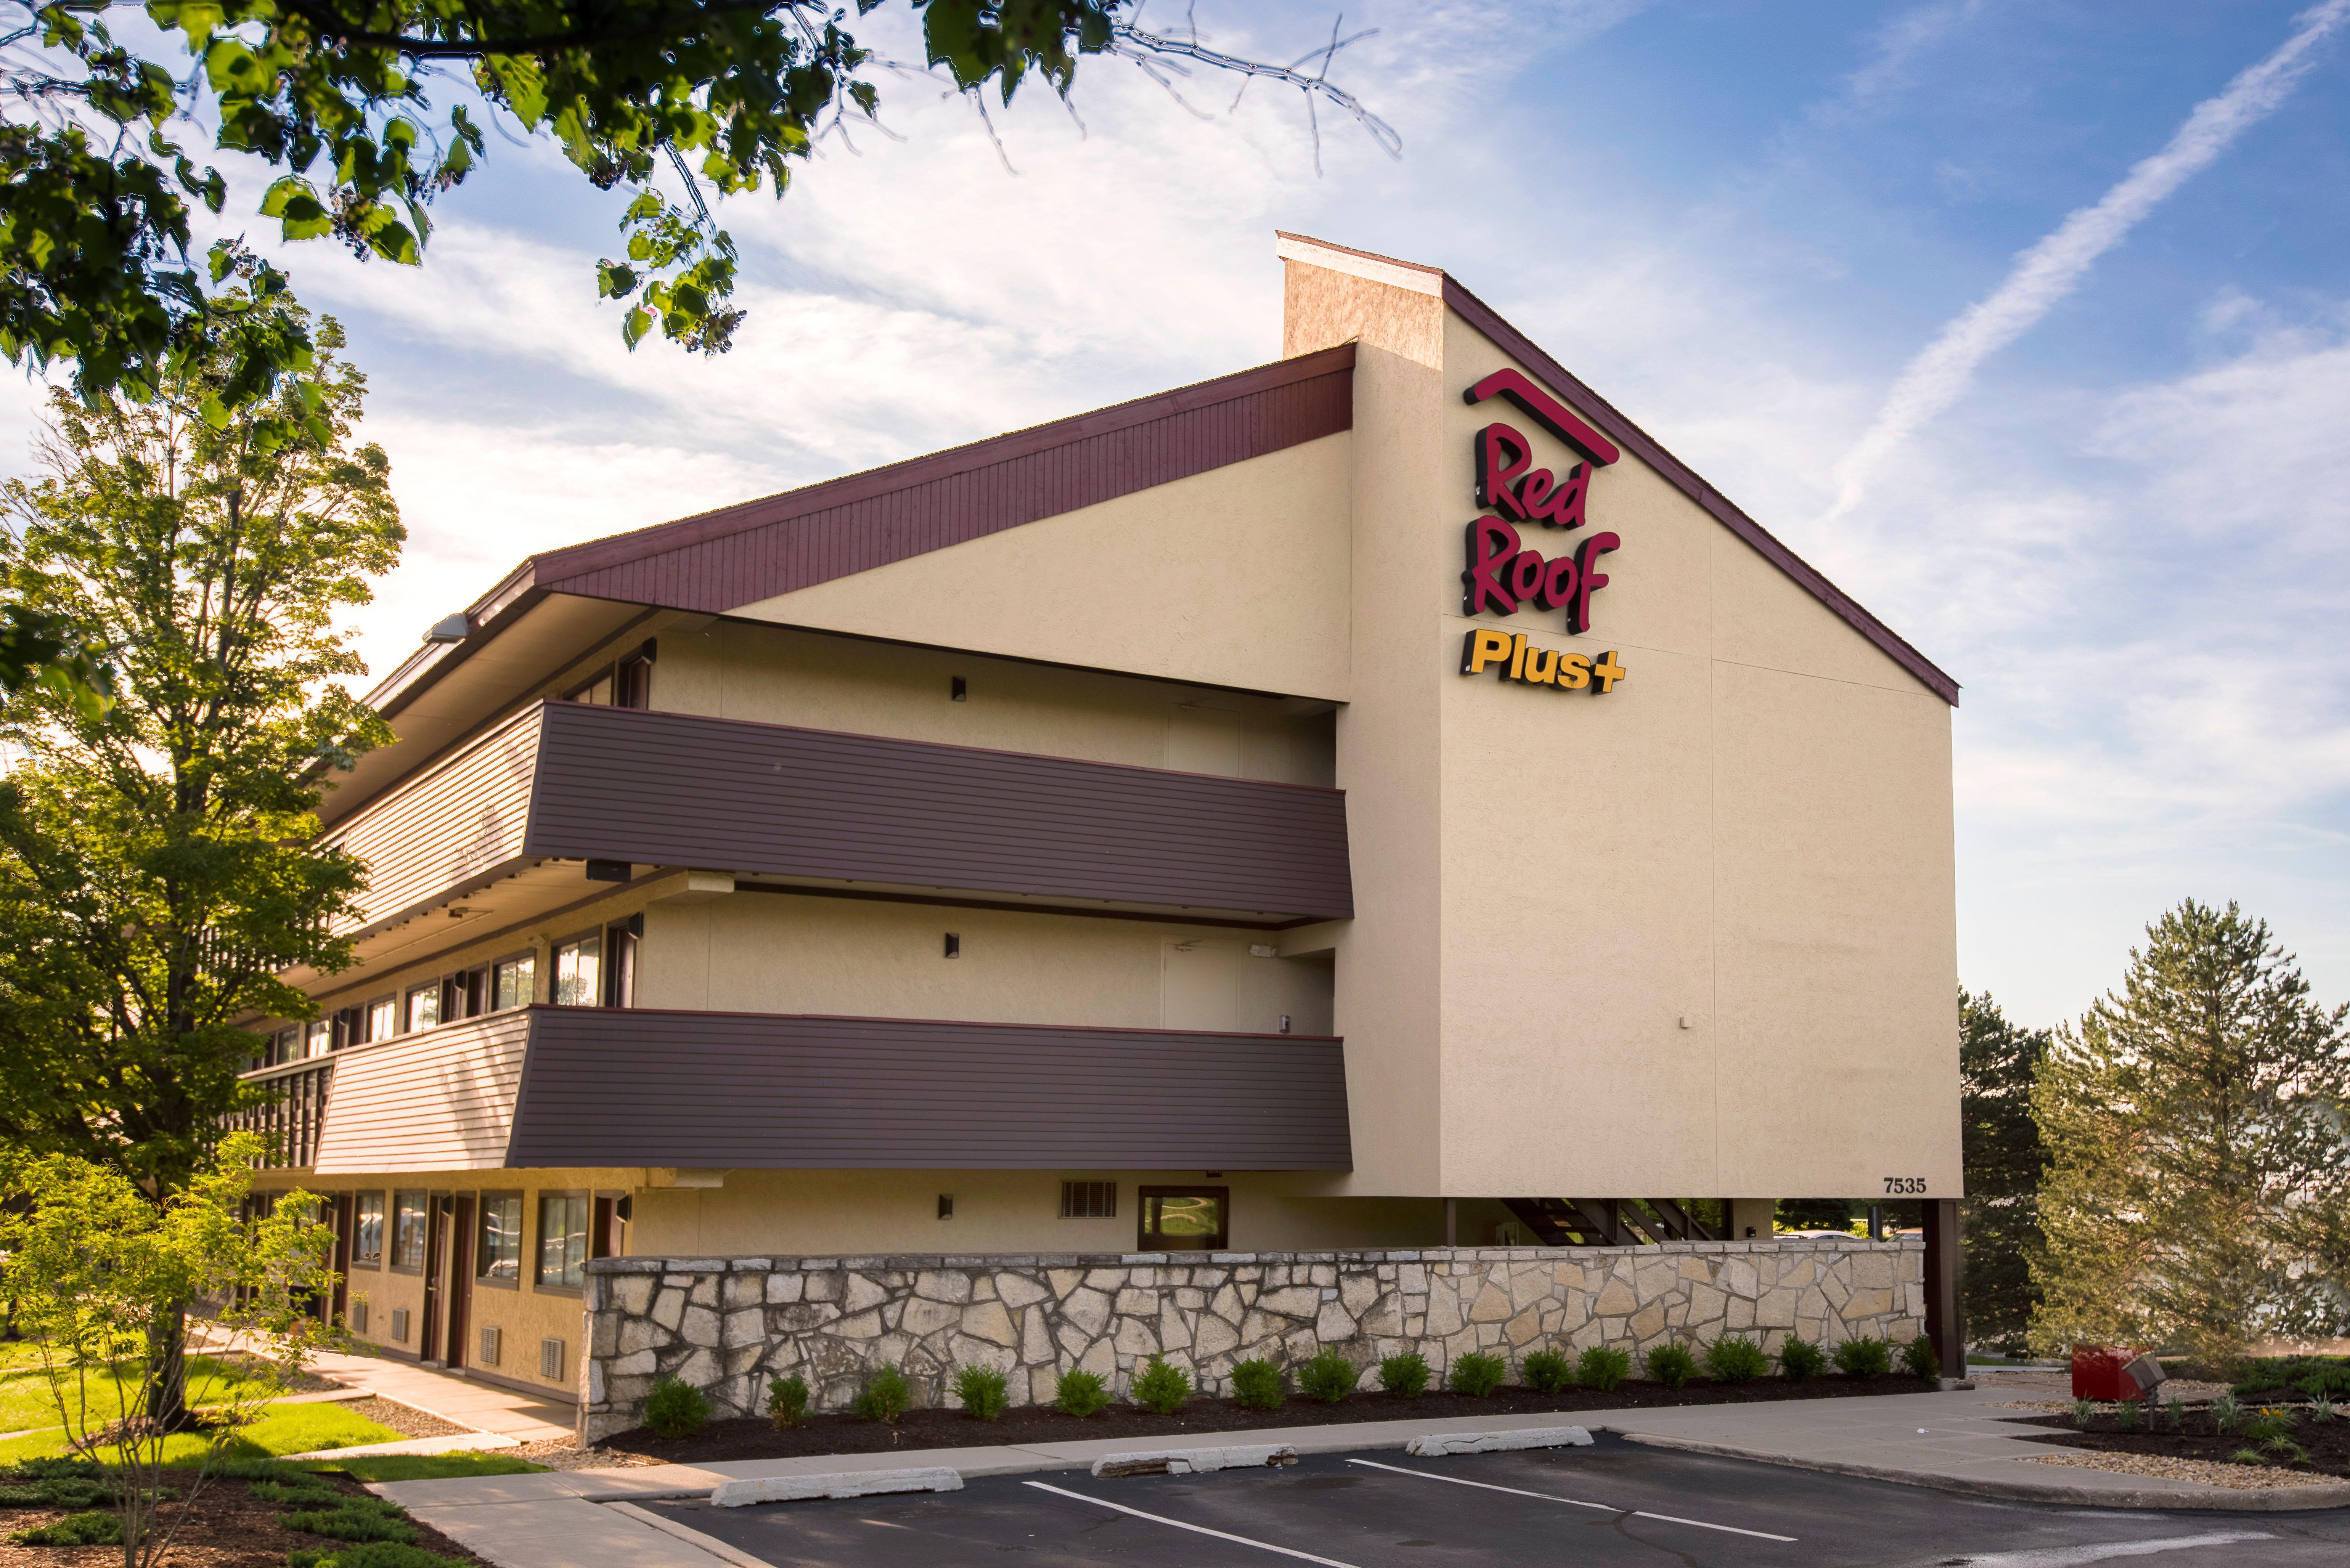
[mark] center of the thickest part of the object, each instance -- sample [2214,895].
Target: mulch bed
[228,1529]
[753,1438]
[2198,1437]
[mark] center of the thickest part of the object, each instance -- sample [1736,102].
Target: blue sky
[1740,221]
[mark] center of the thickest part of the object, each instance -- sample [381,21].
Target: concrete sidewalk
[481,1405]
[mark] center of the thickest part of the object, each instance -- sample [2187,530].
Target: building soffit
[1418,278]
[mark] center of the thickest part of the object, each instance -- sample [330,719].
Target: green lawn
[426,1466]
[286,1429]
[27,1403]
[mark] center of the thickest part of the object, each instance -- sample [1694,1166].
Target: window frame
[498,968]
[555,950]
[424,1231]
[1070,1189]
[358,1229]
[432,988]
[1218,1241]
[318,1038]
[389,1000]
[586,1233]
[482,1263]
[623,944]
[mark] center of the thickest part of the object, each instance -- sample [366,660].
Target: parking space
[1615,1502]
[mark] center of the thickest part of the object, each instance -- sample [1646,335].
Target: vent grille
[358,1316]
[492,1342]
[1090,1201]
[400,1325]
[550,1358]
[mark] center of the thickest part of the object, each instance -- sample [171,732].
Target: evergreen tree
[2197,1158]
[1998,1061]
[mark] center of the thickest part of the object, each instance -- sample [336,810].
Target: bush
[1161,1389]
[675,1409]
[787,1400]
[69,1484]
[1546,1372]
[2328,1375]
[1800,1358]
[1328,1378]
[2227,1415]
[1672,1365]
[885,1396]
[1256,1385]
[981,1392]
[1405,1374]
[1478,1376]
[92,1529]
[315,1493]
[1602,1368]
[1736,1359]
[373,1554]
[1080,1393]
[356,1518]
[1864,1358]
[1919,1359]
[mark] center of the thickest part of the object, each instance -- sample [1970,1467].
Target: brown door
[461,1278]
[436,1257]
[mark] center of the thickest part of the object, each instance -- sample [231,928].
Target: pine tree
[2198,1159]
[2004,1160]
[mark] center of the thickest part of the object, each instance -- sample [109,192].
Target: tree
[664,98]
[2198,1155]
[1998,1064]
[158,871]
[99,1270]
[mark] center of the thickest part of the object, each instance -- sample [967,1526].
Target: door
[346,1211]
[461,1278]
[436,1256]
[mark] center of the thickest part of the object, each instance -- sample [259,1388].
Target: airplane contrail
[2050,270]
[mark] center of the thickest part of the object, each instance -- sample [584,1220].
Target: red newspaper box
[2114,1372]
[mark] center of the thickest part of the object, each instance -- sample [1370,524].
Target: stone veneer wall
[725,1323]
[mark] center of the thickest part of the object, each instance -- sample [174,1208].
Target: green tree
[158,872]
[1998,1062]
[368,111]
[2197,1148]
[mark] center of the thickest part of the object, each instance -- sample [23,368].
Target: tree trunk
[167,1395]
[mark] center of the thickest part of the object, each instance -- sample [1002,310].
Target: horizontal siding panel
[611,1086]
[439,1100]
[462,816]
[673,789]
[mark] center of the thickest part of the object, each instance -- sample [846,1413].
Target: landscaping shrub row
[674,1409]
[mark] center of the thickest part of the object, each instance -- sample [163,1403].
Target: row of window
[593,969]
[1168,1219]
[572,1228]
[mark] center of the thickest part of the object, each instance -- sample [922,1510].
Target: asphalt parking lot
[1615,1502]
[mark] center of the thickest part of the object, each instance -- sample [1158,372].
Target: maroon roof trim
[720,560]
[1645,446]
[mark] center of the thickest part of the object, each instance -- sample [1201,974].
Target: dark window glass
[514,981]
[579,969]
[367,1230]
[563,1240]
[498,1257]
[408,1232]
[1182,1219]
[1090,1201]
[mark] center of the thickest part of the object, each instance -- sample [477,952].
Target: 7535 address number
[1904,1184]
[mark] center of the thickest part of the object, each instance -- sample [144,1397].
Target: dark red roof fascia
[720,560]
[1644,446]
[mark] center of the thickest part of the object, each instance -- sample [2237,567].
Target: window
[349,1025]
[578,971]
[622,938]
[1090,1201]
[1182,1219]
[562,1241]
[632,683]
[424,1006]
[367,1230]
[318,1038]
[408,1232]
[383,1018]
[514,981]
[497,1252]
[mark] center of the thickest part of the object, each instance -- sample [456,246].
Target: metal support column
[1944,1262]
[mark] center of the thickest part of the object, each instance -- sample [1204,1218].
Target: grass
[425,1467]
[284,1429]
[27,1403]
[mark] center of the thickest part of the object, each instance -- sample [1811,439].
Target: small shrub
[356,1518]
[372,1555]
[69,1484]
[1080,1393]
[1478,1376]
[1328,1378]
[1546,1372]
[675,1409]
[1864,1358]
[1405,1374]
[316,1494]
[2227,1415]
[1736,1359]
[2125,1417]
[1800,1358]
[981,1391]
[1672,1365]
[2283,1447]
[2321,1407]
[1919,1359]
[1161,1389]
[2248,1457]
[2177,1413]
[1602,1368]
[885,1396]
[2271,1422]
[2083,1412]
[787,1401]
[93,1529]
[1256,1385]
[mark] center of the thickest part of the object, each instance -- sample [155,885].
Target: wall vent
[493,1339]
[400,1325]
[358,1317]
[550,1358]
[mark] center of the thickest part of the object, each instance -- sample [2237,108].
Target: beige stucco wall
[1233,577]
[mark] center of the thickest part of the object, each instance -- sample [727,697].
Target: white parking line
[1194,1528]
[1571,1502]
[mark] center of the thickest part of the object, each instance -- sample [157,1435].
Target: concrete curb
[838,1483]
[690,1536]
[1195,1461]
[1437,1444]
[2278,1500]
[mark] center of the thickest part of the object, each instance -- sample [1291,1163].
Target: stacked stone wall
[726,1324]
